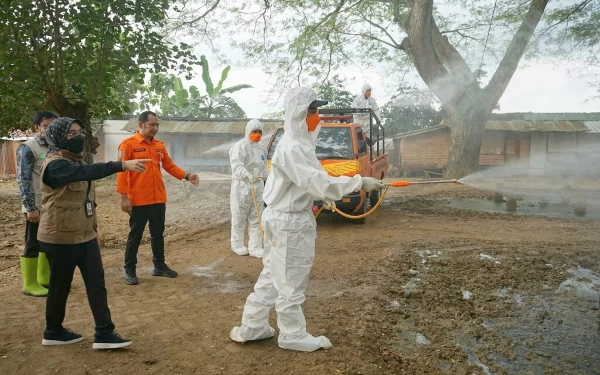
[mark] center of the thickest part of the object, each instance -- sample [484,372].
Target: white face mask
[315,134]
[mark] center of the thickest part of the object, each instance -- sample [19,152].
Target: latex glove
[328,205]
[370,184]
[248,176]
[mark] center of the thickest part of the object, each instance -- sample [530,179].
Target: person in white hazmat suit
[364,100]
[296,180]
[248,160]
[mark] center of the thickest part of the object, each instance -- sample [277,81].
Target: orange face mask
[255,137]
[368,94]
[312,122]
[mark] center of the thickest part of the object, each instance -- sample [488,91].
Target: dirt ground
[421,288]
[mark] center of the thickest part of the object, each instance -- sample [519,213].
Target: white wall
[113,136]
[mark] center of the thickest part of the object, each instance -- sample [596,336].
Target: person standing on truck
[365,100]
[30,157]
[295,181]
[144,197]
[248,160]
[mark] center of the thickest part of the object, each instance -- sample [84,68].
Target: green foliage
[333,91]
[81,58]
[410,109]
[174,100]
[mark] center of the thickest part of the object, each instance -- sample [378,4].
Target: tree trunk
[467,124]
[79,111]
[449,77]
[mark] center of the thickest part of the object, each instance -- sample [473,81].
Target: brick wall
[491,159]
[426,151]
[430,150]
[525,149]
[493,147]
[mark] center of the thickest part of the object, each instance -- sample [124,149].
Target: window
[332,143]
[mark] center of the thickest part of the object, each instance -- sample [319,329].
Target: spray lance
[399,183]
[402,183]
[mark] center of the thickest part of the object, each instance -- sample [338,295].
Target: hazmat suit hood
[253,124]
[366,87]
[296,105]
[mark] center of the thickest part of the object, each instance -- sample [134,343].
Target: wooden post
[580,208]
[567,194]
[499,194]
[511,202]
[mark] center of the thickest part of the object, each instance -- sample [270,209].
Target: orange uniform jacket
[147,187]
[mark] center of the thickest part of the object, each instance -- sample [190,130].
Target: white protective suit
[361,102]
[248,161]
[296,180]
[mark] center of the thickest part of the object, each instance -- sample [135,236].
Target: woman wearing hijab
[67,232]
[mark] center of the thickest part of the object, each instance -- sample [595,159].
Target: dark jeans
[140,215]
[63,260]
[32,246]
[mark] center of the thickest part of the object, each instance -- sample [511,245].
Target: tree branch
[576,9]
[460,29]
[368,36]
[214,6]
[420,47]
[395,44]
[512,57]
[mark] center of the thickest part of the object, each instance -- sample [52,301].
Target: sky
[535,87]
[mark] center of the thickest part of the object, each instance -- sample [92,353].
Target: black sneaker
[64,337]
[164,271]
[110,341]
[131,278]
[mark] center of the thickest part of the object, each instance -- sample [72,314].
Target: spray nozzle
[400,183]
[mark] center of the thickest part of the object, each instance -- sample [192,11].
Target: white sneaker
[257,253]
[242,250]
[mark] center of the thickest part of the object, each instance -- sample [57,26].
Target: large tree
[453,45]
[409,109]
[333,90]
[78,57]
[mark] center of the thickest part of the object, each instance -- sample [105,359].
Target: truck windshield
[332,143]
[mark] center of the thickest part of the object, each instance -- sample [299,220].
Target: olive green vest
[63,217]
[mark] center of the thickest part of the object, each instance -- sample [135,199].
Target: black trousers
[140,215]
[32,246]
[63,260]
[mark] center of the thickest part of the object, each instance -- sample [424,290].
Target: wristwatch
[187,176]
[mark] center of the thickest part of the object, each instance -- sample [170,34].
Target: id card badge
[89,208]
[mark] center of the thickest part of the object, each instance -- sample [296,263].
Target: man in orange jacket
[144,197]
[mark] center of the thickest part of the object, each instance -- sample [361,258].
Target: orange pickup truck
[344,150]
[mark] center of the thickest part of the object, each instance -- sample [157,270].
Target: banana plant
[217,102]
[169,94]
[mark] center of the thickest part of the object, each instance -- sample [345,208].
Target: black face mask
[75,144]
